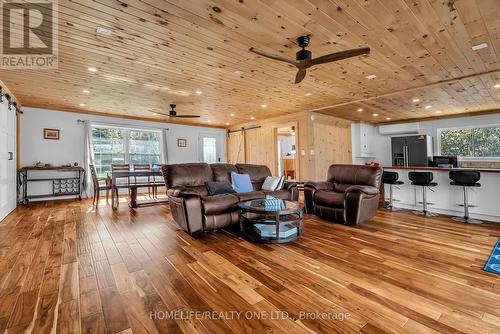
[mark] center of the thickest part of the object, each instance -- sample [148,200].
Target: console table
[68,184]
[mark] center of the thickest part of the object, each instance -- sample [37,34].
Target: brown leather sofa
[350,194]
[197,212]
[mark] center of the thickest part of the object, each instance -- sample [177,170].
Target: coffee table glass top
[270,205]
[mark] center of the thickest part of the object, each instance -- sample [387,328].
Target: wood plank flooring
[68,268]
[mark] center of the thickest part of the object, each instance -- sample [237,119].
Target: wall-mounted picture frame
[182,142]
[52,134]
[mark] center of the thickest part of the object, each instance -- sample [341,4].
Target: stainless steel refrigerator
[411,151]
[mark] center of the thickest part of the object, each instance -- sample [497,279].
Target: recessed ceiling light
[231,114]
[227,123]
[496,86]
[103,31]
[371,76]
[428,107]
[438,111]
[263,105]
[308,94]
[360,109]
[92,69]
[252,117]
[82,104]
[375,115]
[86,91]
[199,92]
[155,114]
[209,121]
[238,72]
[479,46]
[388,118]
[416,100]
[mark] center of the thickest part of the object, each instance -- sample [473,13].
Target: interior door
[210,148]
[8,178]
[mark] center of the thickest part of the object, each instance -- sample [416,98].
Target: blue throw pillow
[241,182]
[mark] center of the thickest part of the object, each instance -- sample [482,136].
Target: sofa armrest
[367,190]
[182,192]
[289,185]
[322,185]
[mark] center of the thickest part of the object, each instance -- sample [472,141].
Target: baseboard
[488,218]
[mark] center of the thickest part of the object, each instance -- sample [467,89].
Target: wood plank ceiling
[164,51]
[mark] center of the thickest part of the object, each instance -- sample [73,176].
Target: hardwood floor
[68,268]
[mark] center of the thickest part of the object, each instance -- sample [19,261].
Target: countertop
[442,169]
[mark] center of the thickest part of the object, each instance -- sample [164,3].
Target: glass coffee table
[271,220]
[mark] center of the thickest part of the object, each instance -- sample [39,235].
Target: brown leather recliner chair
[197,212]
[349,196]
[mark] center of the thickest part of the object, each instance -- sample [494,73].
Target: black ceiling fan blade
[339,56]
[187,116]
[271,56]
[160,113]
[301,74]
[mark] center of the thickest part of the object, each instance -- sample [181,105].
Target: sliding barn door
[8,178]
[236,147]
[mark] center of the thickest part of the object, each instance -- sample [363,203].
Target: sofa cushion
[250,195]
[219,204]
[222,172]
[329,198]
[258,173]
[343,176]
[271,183]
[187,175]
[241,182]
[283,194]
[219,188]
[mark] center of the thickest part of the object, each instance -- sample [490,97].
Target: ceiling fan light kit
[304,60]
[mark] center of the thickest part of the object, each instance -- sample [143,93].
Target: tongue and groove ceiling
[161,52]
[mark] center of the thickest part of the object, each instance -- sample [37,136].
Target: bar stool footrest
[467,220]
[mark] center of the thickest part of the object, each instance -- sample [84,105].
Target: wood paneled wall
[327,137]
[332,143]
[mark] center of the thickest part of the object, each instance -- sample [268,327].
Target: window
[144,147]
[481,142]
[119,145]
[209,150]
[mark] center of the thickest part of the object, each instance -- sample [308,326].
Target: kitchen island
[446,198]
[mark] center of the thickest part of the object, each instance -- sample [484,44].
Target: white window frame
[126,136]
[467,127]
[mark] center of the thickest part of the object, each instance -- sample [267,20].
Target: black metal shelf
[75,183]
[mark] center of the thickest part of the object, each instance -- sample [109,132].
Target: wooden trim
[12,96]
[435,118]
[136,118]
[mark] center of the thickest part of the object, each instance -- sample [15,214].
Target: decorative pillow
[271,183]
[241,182]
[281,183]
[219,188]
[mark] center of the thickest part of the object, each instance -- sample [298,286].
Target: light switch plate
[302,153]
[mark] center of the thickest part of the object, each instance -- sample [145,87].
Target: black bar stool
[466,179]
[424,180]
[391,178]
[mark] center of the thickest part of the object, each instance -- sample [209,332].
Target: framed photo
[182,142]
[52,134]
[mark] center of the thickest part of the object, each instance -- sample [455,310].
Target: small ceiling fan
[173,114]
[304,58]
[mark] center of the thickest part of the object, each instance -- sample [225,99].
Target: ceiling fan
[304,58]
[173,114]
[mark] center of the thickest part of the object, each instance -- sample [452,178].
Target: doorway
[210,148]
[286,144]
[8,178]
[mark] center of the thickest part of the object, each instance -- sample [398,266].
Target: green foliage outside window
[473,142]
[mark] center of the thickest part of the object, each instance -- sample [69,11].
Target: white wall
[69,148]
